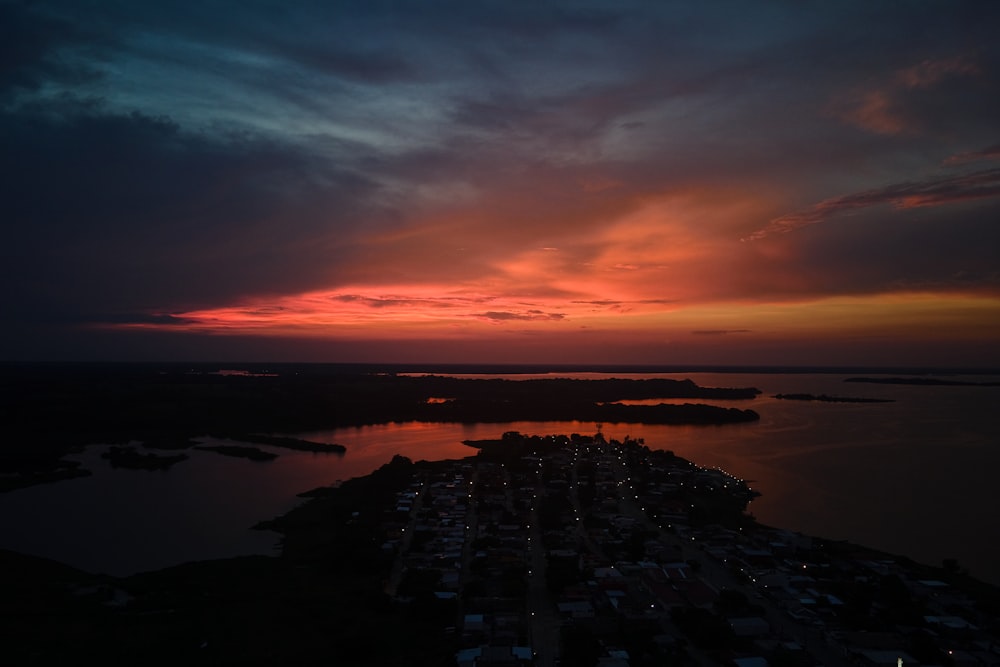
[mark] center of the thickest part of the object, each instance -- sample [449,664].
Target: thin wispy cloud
[719,332]
[990,153]
[891,108]
[947,190]
[530,315]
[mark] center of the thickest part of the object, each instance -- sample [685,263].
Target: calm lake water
[916,476]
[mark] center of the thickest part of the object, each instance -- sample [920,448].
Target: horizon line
[532,368]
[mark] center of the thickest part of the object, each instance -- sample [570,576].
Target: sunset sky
[578,182]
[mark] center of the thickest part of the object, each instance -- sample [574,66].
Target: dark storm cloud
[114,212]
[950,249]
[719,332]
[29,49]
[357,41]
[306,42]
[693,86]
[299,32]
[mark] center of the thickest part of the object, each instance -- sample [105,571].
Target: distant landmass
[831,399]
[923,381]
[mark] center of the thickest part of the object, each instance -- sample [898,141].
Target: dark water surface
[917,476]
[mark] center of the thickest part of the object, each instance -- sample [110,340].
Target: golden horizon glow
[662,269]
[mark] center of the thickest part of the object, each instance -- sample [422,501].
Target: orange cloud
[876,112]
[660,269]
[885,110]
[929,73]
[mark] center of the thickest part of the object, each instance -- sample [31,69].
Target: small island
[126,456]
[252,453]
[288,443]
[52,471]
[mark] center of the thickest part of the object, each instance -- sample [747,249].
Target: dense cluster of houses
[609,553]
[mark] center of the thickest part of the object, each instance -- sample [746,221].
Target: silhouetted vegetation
[130,457]
[288,443]
[22,471]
